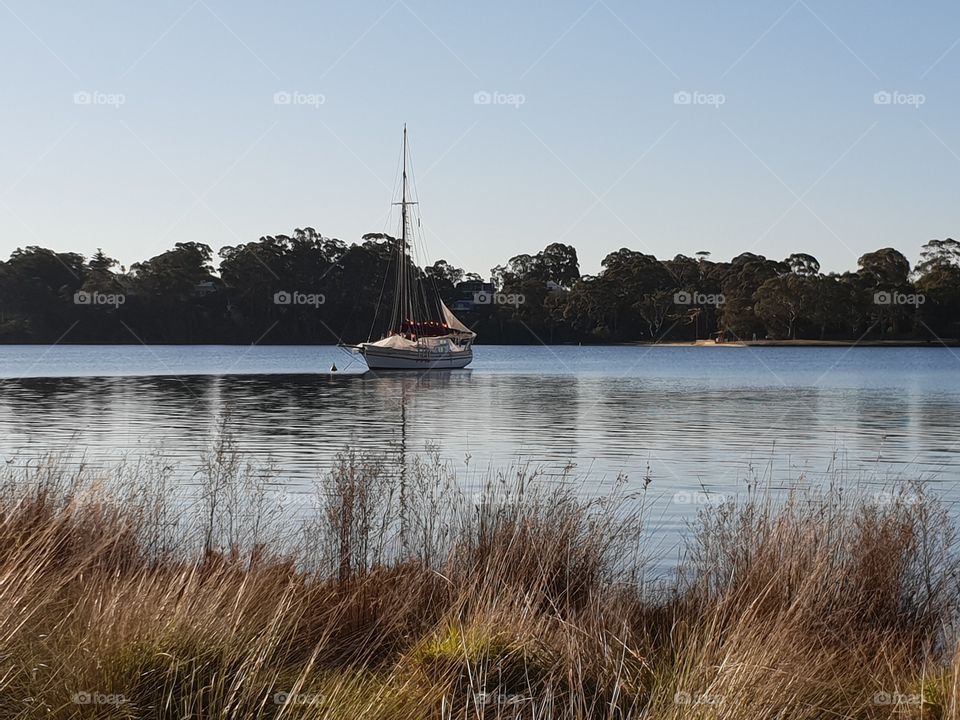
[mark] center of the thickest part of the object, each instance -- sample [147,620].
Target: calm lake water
[699,423]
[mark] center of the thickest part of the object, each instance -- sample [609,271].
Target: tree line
[306,288]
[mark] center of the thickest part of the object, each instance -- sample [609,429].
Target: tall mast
[406,286]
[406,303]
[403,197]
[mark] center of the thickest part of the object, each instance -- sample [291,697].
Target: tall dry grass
[521,599]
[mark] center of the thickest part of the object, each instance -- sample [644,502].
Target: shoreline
[803,343]
[938,343]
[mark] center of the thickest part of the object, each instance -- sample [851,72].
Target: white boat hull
[380,358]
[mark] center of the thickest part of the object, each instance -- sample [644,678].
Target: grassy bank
[416,599]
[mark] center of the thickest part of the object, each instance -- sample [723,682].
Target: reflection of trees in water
[605,424]
[920,431]
[93,420]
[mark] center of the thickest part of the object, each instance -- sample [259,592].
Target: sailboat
[423,333]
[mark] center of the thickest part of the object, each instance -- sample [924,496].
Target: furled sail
[453,322]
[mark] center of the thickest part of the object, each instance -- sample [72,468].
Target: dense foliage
[307,288]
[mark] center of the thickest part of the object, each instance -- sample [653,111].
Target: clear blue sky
[600,154]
